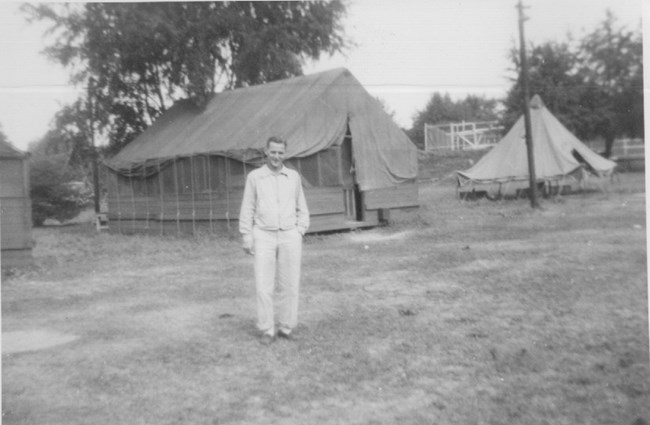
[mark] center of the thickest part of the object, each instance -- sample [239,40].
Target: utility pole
[524,83]
[91,126]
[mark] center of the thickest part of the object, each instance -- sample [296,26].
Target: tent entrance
[352,195]
[353,200]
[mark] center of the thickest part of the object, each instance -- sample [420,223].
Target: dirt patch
[32,340]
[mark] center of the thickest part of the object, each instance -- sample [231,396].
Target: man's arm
[302,212]
[247,214]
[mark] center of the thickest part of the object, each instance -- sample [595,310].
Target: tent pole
[529,137]
[178,208]
[192,182]
[228,184]
[162,200]
[209,168]
[119,203]
[132,202]
[146,198]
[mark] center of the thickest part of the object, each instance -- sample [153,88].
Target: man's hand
[248,245]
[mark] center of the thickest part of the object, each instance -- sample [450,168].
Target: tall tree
[594,85]
[441,109]
[612,66]
[68,137]
[552,71]
[137,58]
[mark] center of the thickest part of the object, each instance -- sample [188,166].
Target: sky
[403,52]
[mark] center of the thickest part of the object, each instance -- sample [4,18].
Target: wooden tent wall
[203,193]
[16,212]
[206,189]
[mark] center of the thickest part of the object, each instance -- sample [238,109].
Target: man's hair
[275,139]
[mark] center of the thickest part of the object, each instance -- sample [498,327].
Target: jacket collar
[269,172]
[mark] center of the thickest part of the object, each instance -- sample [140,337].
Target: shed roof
[8,151]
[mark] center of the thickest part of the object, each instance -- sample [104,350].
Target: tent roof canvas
[555,149]
[311,112]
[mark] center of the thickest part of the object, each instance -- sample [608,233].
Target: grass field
[458,313]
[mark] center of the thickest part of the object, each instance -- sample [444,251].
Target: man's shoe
[286,335]
[266,339]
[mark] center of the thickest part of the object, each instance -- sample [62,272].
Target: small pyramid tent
[558,153]
[190,165]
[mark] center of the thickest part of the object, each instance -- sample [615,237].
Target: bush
[55,190]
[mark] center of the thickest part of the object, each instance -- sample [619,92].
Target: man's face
[275,155]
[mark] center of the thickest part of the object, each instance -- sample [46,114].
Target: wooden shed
[187,171]
[15,208]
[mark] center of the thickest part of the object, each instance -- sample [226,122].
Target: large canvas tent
[188,169]
[15,208]
[559,155]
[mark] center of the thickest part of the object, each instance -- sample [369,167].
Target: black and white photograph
[329,212]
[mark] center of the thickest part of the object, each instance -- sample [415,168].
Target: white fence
[461,136]
[628,149]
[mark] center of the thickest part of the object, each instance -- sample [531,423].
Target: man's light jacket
[273,201]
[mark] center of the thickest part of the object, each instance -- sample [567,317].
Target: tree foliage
[552,75]
[594,86]
[55,190]
[136,59]
[611,60]
[441,109]
[68,137]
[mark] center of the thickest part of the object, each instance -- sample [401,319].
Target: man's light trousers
[277,256]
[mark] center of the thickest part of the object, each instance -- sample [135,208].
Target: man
[273,219]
